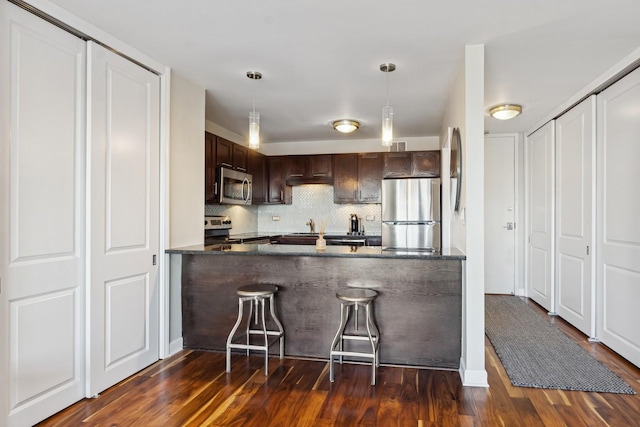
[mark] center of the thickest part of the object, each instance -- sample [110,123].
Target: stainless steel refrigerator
[411,214]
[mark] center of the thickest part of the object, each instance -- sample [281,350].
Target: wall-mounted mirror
[456,166]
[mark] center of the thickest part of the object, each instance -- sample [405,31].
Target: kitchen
[405,237]
[462,99]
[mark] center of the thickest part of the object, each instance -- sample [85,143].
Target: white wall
[466,111]
[186,163]
[186,188]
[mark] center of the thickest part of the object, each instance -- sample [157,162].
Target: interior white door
[540,208]
[499,214]
[42,92]
[618,180]
[575,186]
[124,203]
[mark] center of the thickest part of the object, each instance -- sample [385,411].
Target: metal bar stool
[357,298]
[257,294]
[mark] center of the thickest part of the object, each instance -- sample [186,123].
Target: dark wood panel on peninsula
[418,308]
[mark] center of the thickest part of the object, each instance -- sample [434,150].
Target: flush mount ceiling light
[387,111]
[505,111]
[346,126]
[254,117]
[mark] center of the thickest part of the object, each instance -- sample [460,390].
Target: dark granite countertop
[310,250]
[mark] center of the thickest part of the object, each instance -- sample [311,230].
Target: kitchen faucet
[312,226]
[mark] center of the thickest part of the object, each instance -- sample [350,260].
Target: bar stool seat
[356,298]
[256,294]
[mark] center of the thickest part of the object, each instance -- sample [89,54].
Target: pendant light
[387,111]
[254,116]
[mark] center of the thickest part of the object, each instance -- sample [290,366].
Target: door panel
[41,217]
[124,203]
[540,178]
[618,256]
[499,212]
[575,185]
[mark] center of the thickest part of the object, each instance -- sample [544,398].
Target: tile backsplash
[311,201]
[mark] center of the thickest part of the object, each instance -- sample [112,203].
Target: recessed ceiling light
[346,126]
[505,111]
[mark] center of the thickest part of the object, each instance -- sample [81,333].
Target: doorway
[500,213]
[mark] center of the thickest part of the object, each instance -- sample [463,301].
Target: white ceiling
[320,60]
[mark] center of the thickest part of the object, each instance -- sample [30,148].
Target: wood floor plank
[193,389]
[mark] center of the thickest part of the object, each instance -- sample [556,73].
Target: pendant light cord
[387,75]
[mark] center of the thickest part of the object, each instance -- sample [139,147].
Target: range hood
[309,180]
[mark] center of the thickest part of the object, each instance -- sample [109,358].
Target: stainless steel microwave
[233,187]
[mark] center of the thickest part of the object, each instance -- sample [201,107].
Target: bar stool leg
[252,301]
[374,346]
[266,338]
[272,307]
[335,341]
[233,331]
[376,335]
[345,308]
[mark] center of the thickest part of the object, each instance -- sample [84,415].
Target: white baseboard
[473,378]
[175,346]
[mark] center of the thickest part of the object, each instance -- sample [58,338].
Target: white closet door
[618,181]
[124,212]
[540,199]
[575,186]
[42,108]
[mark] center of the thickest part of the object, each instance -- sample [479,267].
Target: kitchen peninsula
[418,309]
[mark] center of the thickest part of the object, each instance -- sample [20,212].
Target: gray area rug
[537,354]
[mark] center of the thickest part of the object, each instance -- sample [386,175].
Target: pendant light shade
[254,116]
[254,130]
[387,126]
[387,111]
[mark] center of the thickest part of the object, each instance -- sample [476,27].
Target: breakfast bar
[418,309]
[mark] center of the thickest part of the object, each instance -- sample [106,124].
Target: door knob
[509,226]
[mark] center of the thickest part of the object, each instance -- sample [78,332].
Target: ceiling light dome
[505,111]
[346,126]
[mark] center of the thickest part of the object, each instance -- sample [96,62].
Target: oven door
[235,187]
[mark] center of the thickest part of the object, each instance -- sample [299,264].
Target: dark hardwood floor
[192,389]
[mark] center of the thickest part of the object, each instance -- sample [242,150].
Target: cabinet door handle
[294,175]
[215,188]
[320,174]
[226,164]
[281,195]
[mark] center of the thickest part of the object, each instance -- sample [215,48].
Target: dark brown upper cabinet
[425,163]
[224,152]
[396,164]
[209,167]
[408,164]
[240,157]
[357,178]
[278,192]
